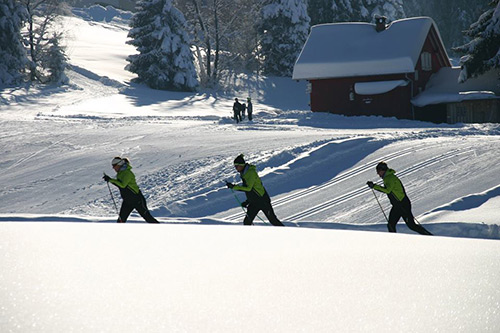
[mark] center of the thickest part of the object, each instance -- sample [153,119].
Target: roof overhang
[423,100]
[377,87]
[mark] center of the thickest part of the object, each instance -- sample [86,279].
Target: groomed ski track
[351,195]
[333,196]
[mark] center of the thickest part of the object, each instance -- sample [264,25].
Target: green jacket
[392,184]
[251,181]
[125,179]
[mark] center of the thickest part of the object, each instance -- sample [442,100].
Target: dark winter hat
[382,166]
[117,161]
[239,160]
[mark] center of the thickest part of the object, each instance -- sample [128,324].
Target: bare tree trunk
[217,42]
[201,64]
[31,39]
[206,34]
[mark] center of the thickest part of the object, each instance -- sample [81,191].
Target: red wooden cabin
[370,69]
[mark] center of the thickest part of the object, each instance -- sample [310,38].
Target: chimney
[380,23]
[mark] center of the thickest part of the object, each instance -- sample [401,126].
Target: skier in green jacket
[401,205]
[257,197]
[130,192]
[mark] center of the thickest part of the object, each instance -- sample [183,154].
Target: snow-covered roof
[443,87]
[357,49]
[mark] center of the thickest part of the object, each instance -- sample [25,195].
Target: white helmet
[117,161]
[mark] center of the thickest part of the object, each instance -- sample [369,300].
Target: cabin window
[426,60]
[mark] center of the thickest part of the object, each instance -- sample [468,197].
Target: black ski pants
[237,116]
[137,202]
[253,209]
[403,210]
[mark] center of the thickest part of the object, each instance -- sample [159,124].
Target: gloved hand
[106,178]
[244,204]
[229,185]
[370,184]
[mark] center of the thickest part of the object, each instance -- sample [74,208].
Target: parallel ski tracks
[352,173]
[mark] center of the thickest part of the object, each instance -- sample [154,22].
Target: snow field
[135,277]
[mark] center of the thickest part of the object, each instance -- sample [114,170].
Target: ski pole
[382,209]
[239,202]
[114,202]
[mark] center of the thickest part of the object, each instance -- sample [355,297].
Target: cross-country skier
[257,197]
[401,205]
[130,192]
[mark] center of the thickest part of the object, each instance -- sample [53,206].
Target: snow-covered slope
[199,270]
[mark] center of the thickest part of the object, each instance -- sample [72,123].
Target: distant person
[243,109]
[401,205]
[257,197]
[237,110]
[249,108]
[129,191]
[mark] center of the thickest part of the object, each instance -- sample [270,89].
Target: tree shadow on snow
[141,95]
[30,93]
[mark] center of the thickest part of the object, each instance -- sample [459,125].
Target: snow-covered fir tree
[482,53]
[451,16]
[320,11]
[13,58]
[283,30]
[365,10]
[165,60]
[56,61]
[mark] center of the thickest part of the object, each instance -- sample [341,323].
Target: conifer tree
[13,58]
[482,53]
[320,11]
[283,30]
[56,61]
[451,16]
[365,10]
[165,60]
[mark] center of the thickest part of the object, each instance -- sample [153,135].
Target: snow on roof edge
[423,100]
